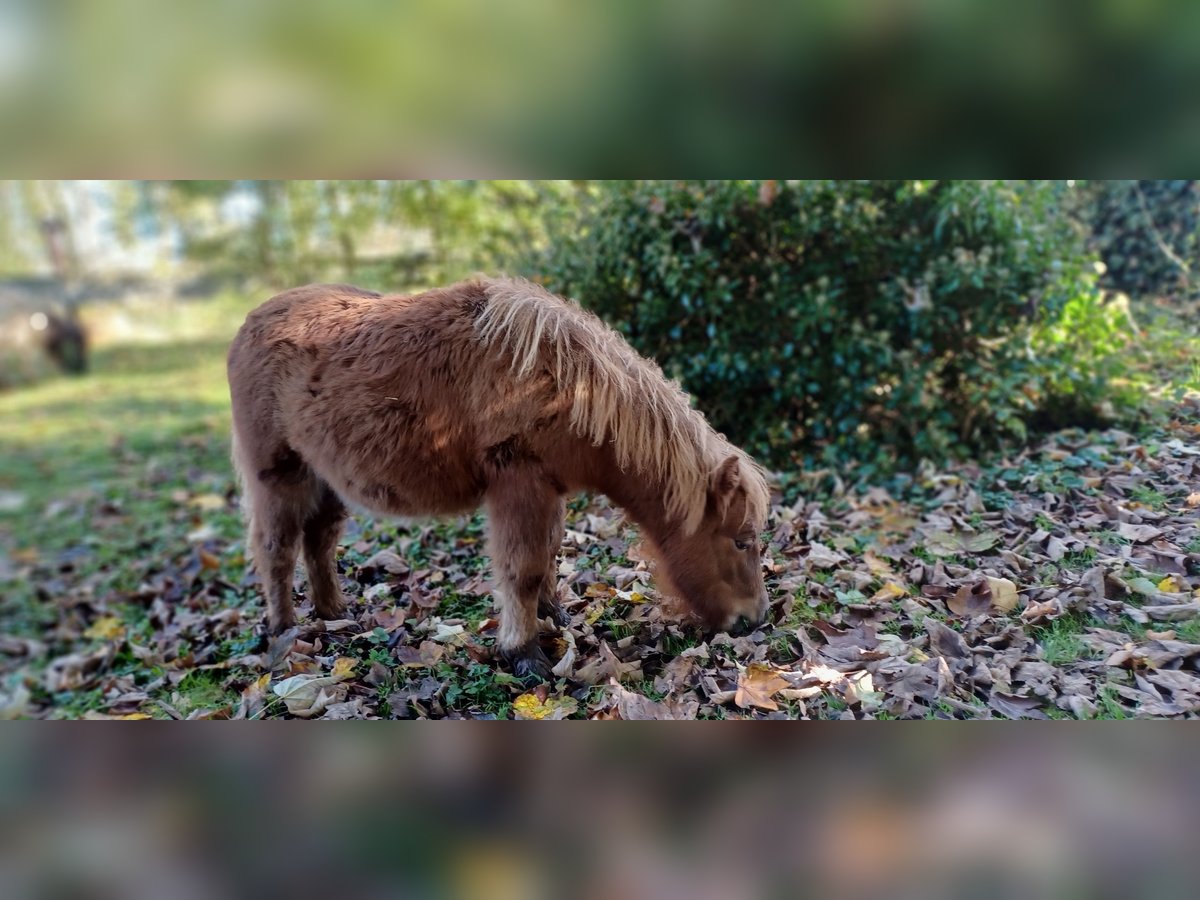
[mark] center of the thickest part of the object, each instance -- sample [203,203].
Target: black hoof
[529,661]
[556,614]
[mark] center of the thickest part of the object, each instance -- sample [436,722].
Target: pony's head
[717,568]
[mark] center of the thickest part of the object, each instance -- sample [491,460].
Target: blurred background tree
[873,323]
[1147,233]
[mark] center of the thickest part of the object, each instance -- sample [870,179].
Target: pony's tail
[239,472]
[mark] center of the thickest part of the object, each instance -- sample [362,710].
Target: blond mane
[617,396]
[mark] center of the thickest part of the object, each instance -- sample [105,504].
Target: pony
[491,391]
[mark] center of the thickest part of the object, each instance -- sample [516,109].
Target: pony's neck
[642,497]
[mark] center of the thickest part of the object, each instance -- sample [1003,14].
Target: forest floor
[1062,581]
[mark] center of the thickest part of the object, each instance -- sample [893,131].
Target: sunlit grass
[152,397]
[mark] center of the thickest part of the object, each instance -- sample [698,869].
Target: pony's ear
[724,484]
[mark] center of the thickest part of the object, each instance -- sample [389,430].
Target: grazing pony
[489,391]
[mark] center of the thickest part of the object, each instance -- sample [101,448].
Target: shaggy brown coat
[490,391]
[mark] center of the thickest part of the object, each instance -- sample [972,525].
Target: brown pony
[491,391]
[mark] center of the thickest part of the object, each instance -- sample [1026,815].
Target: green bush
[883,322]
[1146,232]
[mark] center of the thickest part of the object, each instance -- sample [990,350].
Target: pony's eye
[741,545]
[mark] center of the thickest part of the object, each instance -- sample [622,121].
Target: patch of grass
[1060,641]
[673,645]
[471,608]
[1188,631]
[780,648]
[646,688]
[921,553]
[74,704]
[479,688]
[1079,559]
[1109,537]
[1109,704]
[1149,497]
[617,628]
[203,690]
[1044,522]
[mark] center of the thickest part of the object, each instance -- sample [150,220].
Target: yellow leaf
[1171,585]
[1004,594]
[878,566]
[890,591]
[530,707]
[343,667]
[1193,500]
[108,628]
[208,501]
[133,717]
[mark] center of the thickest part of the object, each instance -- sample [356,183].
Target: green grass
[1149,497]
[202,690]
[143,411]
[1109,704]
[1061,641]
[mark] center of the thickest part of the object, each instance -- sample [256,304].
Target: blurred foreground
[979,813]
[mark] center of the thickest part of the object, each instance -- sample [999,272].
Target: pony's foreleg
[525,520]
[548,605]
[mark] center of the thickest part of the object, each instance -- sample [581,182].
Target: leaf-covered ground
[1063,582]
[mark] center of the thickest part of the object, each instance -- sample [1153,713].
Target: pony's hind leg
[524,533]
[275,527]
[322,527]
[281,494]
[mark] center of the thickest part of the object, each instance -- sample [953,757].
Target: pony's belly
[415,497]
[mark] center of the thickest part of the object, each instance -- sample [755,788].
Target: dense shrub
[1146,232]
[879,321]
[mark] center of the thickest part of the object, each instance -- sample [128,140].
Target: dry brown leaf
[970,600]
[1138,533]
[607,665]
[757,684]
[635,707]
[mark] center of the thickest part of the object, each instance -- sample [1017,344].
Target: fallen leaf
[945,641]
[757,684]
[636,707]
[970,600]
[14,703]
[859,688]
[822,557]
[208,502]
[1004,594]
[531,707]
[108,628]
[608,666]
[343,667]
[1138,533]
[1172,585]
[943,543]
[889,592]
[254,698]
[307,695]
[386,561]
